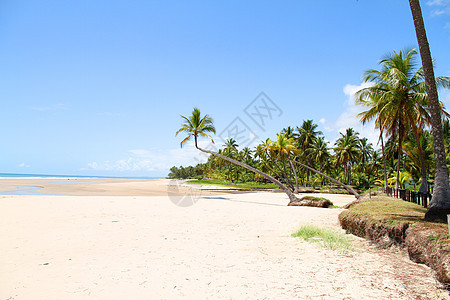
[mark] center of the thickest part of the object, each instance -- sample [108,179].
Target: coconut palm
[439,205]
[284,147]
[411,150]
[196,125]
[230,150]
[365,151]
[289,132]
[346,151]
[307,133]
[319,153]
[397,100]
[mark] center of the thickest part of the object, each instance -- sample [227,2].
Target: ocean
[52,177]
[34,190]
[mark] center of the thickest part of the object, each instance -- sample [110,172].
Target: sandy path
[224,247]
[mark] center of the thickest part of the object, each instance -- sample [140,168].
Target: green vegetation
[387,210]
[398,104]
[326,238]
[240,185]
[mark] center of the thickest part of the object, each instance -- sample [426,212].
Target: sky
[97,88]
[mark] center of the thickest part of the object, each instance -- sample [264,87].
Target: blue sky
[97,87]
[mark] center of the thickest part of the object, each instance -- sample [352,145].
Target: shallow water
[25,190]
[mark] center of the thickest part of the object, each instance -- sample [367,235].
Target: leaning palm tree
[440,203]
[196,125]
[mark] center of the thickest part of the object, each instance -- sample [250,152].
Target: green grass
[240,185]
[326,238]
[389,210]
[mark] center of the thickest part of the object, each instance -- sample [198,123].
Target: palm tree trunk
[384,162]
[295,175]
[399,155]
[329,178]
[440,203]
[423,171]
[285,174]
[288,192]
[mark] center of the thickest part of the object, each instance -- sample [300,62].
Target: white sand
[223,247]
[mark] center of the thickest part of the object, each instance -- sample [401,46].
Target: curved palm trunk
[288,192]
[329,178]
[440,203]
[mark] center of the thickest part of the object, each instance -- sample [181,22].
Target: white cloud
[23,165]
[441,7]
[349,118]
[444,97]
[438,2]
[154,160]
[58,106]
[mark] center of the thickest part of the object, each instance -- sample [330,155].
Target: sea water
[34,190]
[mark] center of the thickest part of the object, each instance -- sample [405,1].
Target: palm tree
[440,203]
[230,150]
[412,152]
[398,100]
[365,151]
[284,147]
[346,151]
[288,132]
[307,133]
[318,152]
[196,125]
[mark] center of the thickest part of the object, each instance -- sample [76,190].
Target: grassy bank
[387,221]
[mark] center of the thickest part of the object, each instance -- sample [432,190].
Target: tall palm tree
[230,150]
[288,132]
[440,203]
[411,150]
[365,151]
[346,151]
[307,133]
[397,100]
[319,152]
[284,147]
[196,125]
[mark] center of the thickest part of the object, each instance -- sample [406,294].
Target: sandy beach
[127,239]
